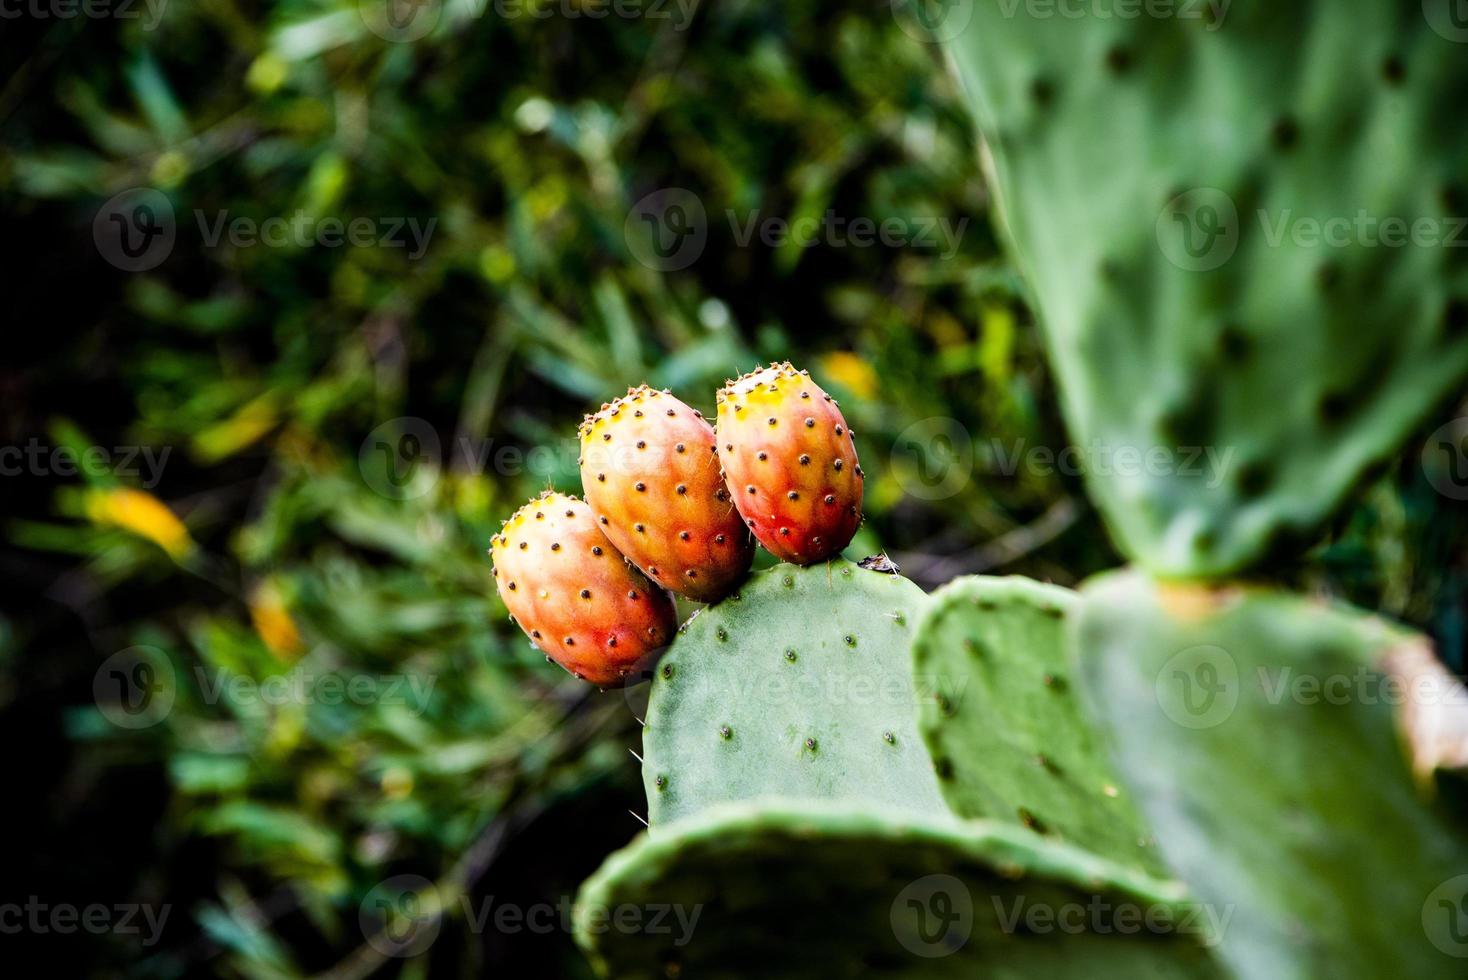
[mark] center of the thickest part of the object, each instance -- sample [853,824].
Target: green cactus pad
[798,686]
[1004,727]
[1211,211]
[782,889]
[1266,752]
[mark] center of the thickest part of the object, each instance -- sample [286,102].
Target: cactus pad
[797,686]
[803,890]
[1004,727]
[1261,738]
[1220,212]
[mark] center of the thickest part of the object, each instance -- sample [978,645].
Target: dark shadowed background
[302,304]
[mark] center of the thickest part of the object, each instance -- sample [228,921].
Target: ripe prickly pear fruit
[790,462]
[651,474]
[574,594]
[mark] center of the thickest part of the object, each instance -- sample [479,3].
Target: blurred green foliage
[267,370]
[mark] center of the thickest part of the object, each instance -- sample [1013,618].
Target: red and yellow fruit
[790,462]
[650,471]
[574,594]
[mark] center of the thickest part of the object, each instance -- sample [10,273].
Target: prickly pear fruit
[790,462]
[575,595]
[651,474]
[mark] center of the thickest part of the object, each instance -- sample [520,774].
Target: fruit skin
[575,595]
[649,466]
[790,462]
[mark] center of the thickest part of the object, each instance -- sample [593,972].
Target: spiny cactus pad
[1262,743]
[1220,219]
[1007,735]
[789,890]
[799,686]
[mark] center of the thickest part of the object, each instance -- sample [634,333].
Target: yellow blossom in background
[851,372]
[267,73]
[274,623]
[397,783]
[141,513]
[241,430]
